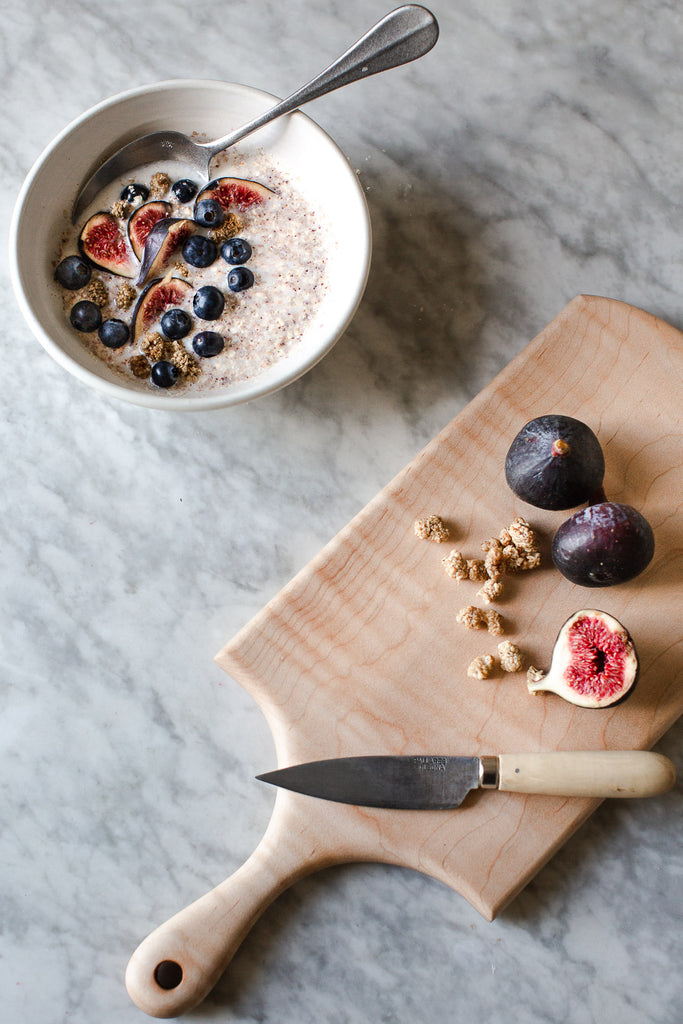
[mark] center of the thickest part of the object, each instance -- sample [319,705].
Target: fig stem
[560,447]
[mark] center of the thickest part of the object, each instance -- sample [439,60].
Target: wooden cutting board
[361,652]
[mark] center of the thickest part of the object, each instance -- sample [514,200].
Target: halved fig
[594,662]
[158,296]
[235,193]
[165,238]
[143,220]
[104,245]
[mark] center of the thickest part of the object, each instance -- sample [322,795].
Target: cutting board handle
[179,963]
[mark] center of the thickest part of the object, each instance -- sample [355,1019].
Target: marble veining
[534,155]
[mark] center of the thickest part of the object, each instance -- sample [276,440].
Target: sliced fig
[104,245]
[167,236]
[235,193]
[603,544]
[594,662]
[555,462]
[143,220]
[158,296]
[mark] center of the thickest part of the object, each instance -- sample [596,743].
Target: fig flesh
[102,242]
[143,220]
[555,462]
[160,295]
[165,238]
[603,544]
[594,662]
[237,193]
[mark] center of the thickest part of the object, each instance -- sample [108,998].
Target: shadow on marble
[609,834]
[417,333]
[276,954]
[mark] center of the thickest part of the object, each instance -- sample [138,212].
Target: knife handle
[591,773]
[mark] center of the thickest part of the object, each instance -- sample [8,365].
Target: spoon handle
[400,37]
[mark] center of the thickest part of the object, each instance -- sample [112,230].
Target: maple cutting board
[361,652]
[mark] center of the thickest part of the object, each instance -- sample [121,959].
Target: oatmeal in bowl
[174,292]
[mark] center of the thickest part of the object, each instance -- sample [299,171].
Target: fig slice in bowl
[143,220]
[235,193]
[158,296]
[102,242]
[164,239]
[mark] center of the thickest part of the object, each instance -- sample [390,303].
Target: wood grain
[361,654]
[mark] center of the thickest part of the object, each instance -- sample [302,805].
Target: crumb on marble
[432,528]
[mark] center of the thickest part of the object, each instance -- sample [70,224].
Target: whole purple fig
[555,462]
[603,544]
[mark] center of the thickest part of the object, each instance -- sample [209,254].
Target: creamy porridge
[194,288]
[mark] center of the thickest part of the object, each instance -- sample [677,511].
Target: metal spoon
[400,37]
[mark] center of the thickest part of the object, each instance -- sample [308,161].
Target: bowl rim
[252,389]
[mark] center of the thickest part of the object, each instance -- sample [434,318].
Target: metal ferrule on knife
[489,775]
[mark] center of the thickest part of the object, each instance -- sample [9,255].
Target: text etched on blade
[431,764]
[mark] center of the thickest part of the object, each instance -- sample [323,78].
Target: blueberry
[208,302]
[73,273]
[239,279]
[207,343]
[164,374]
[176,323]
[113,333]
[184,190]
[236,251]
[85,316]
[209,213]
[134,192]
[199,251]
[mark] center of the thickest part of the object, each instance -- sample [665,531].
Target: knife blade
[436,782]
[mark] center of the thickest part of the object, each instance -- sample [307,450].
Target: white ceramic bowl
[297,144]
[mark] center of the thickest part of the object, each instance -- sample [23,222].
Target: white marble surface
[534,155]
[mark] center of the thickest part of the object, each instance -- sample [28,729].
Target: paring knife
[433,782]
